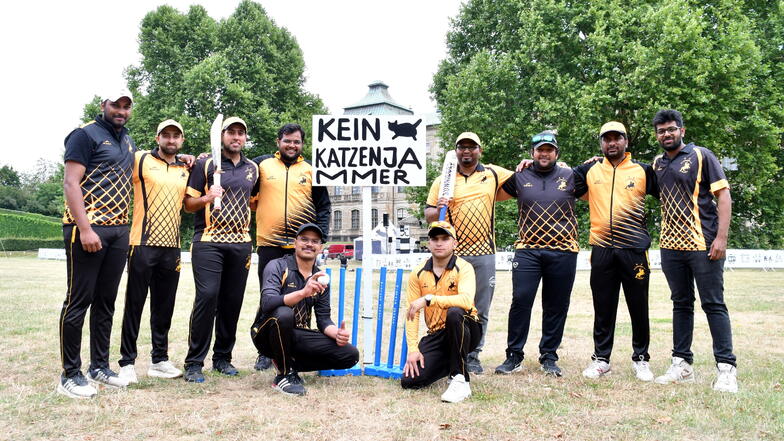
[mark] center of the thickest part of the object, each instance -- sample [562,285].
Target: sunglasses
[543,138]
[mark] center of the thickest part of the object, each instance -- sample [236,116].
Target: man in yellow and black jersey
[159,181]
[444,286]
[97,189]
[290,200]
[546,251]
[221,250]
[472,212]
[696,210]
[617,186]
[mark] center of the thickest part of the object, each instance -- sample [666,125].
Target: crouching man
[444,285]
[281,331]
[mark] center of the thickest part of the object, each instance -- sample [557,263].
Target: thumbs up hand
[343,335]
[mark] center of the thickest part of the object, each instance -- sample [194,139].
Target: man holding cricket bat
[219,192]
[294,288]
[471,210]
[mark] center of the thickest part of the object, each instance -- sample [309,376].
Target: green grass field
[525,405]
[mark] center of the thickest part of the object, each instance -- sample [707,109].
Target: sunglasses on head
[543,138]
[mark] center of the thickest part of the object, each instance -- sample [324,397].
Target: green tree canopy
[515,68]
[9,177]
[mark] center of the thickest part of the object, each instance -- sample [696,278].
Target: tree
[515,68]
[9,177]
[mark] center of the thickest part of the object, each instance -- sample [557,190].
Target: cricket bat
[215,145]
[448,171]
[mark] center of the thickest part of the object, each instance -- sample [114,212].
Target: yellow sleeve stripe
[192,192]
[719,185]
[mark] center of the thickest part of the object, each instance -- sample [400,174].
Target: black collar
[110,128]
[291,262]
[155,154]
[450,265]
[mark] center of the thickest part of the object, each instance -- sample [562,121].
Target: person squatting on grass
[282,331]
[444,286]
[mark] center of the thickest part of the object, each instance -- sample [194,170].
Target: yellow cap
[441,227]
[167,123]
[612,126]
[233,120]
[469,135]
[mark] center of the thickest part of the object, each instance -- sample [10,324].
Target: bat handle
[216,179]
[442,213]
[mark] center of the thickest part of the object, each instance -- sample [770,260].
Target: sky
[59,54]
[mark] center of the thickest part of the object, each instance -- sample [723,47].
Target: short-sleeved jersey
[545,208]
[455,287]
[687,184]
[616,196]
[472,209]
[287,199]
[230,224]
[107,156]
[158,190]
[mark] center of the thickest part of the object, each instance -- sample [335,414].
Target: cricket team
[453,287]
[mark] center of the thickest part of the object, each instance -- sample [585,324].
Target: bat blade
[448,171]
[215,146]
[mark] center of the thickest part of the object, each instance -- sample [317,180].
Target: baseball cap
[167,123]
[441,227]
[233,120]
[311,226]
[114,95]
[612,126]
[469,135]
[542,138]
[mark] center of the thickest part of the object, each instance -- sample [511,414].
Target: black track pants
[220,271]
[92,283]
[446,351]
[612,268]
[156,269]
[266,255]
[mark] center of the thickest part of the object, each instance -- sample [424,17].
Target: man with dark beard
[694,230]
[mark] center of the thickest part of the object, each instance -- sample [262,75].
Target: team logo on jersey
[292,285]
[249,175]
[106,142]
[685,165]
[639,271]
[303,180]
[484,179]
[528,185]
[451,285]
[562,184]
[272,177]
[630,184]
[182,175]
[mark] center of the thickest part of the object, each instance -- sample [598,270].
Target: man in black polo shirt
[282,329]
[97,188]
[693,242]
[221,250]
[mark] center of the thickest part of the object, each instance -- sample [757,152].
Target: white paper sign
[367,150]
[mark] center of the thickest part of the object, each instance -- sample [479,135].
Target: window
[401,213]
[401,189]
[373,217]
[337,220]
[356,190]
[338,191]
[355,219]
[375,189]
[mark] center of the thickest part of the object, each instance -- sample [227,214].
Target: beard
[676,143]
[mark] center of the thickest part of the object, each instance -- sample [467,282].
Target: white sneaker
[726,379]
[75,387]
[642,370]
[679,372]
[459,389]
[596,369]
[128,373]
[107,377]
[164,369]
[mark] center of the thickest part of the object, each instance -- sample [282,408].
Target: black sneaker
[474,366]
[262,363]
[224,367]
[193,374]
[289,384]
[550,368]
[513,363]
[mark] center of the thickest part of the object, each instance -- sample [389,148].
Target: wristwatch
[428,299]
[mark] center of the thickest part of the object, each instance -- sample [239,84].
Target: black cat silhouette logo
[406,129]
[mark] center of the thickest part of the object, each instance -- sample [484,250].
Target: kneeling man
[290,294]
[444,285]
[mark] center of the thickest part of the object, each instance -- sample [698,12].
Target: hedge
[17,224]
[25,244]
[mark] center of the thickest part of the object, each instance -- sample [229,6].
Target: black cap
[314,227]
[546,137]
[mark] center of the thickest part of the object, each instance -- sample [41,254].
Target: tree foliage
[515,68]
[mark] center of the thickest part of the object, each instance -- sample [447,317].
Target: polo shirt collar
[291,262]
[450,265]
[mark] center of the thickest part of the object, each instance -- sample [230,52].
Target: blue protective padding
[357,369]
[383,372]
[355,312]
[393,325]
[382,287]
[354,371]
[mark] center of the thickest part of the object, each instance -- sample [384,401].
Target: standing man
[472,213]
[97,189]
[282,329]
[694,230]
[444,286]
[289,201]
[617,186]
[546,251]
[159,181]
[221,250]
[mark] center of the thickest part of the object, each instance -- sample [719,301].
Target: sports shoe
[513,363]
[597,368]
[726,379]
[75,386]
[289,384]
[474,366]
[107,377]
[128,373]
[224,367]
[550,368]
[642,370]
[193,374]
[679,372]
[163,369]
[262,363]
[459,389]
